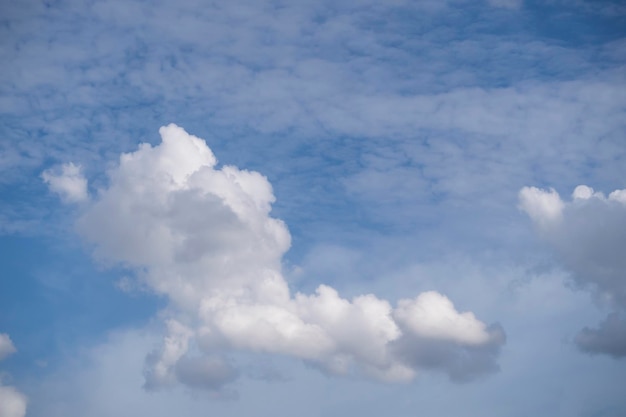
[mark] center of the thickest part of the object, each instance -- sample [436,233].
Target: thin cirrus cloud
[203,237]
[588,235]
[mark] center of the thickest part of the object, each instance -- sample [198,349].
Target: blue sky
[313,208]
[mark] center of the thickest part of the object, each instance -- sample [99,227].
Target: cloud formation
[68,182]
[588,235]
[202,235]
[12,402]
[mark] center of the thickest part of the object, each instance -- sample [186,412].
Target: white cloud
[588,235]
[6,346]
[618,195]
[12,402]
[203,236]
[432,315]
[68,182]
[544,207]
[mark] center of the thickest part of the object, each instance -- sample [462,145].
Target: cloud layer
[588,235]
[202,235]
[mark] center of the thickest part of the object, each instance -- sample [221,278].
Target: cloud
[202,235]
[438,337]
[6,346]
[205,372]
[609,338]
[432,316]
[588,235]
[68,182]
[12,402]
[544,207]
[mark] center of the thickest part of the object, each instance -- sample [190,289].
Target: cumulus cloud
[588,235]
[6,346]
[68,182]
[202,235]
[12,402]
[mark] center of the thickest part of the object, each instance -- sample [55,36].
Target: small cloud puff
[544,207]
[68,182]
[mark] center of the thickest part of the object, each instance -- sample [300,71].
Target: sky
[312,208]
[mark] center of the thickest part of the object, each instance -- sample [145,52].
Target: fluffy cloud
[68,182]
[588,235]
[12,402]
[202,235]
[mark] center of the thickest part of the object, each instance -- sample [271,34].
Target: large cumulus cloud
[202,235]
[588,235]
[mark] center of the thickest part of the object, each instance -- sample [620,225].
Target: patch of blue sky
[53,299]
[578,23]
